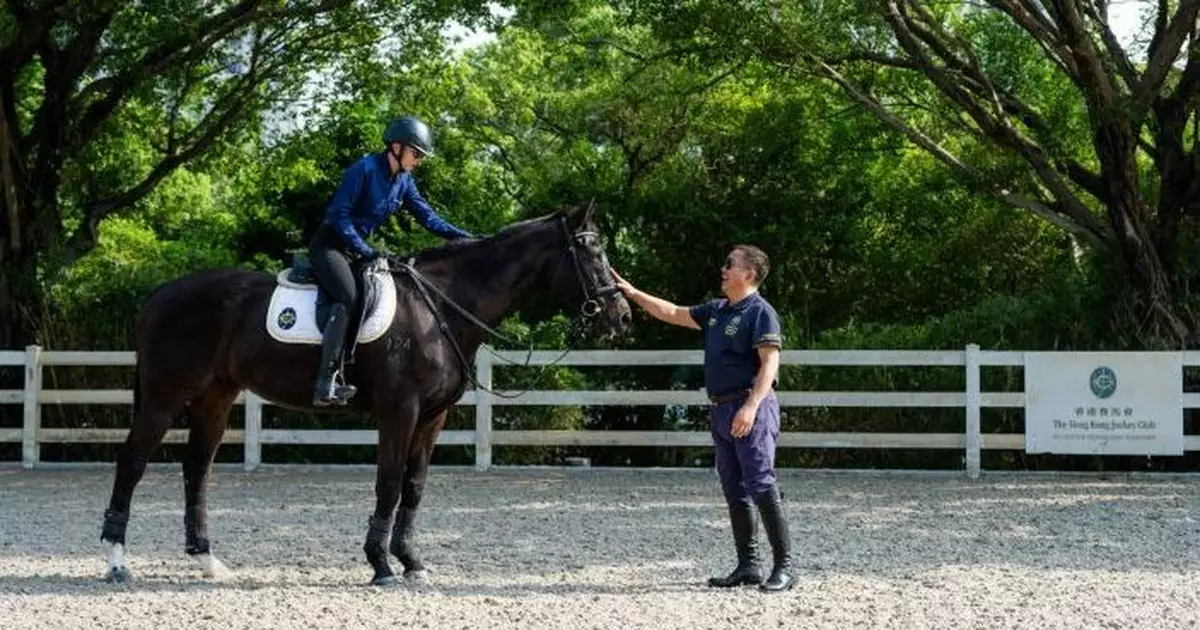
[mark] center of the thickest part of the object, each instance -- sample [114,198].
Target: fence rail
[32,434]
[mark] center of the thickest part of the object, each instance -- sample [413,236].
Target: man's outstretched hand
[623,284]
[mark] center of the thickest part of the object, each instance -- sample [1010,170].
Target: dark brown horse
[202,340]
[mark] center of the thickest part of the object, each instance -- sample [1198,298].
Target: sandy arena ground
[610,549]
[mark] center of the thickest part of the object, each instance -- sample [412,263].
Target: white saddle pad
[292,314]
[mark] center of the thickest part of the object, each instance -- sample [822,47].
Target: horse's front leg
[396,427]
[413,486]
[208,417]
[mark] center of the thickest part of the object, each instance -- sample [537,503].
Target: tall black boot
[745,530]
[770,505]
[327,390]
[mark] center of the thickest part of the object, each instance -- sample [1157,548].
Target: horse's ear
[590,214]
[581,215]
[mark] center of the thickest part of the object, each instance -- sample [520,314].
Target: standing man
[741,362]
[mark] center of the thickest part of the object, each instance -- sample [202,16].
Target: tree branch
[970,74]
[872,57]
[1164,50]
[1028,15]
[1116,53]
[1043,209]
[1189,81]
[33,26]
[111,90]
[218,121]
[897,123]
[1094,77]
[105,94]
[1070,214]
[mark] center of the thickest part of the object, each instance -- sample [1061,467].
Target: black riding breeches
[333,268]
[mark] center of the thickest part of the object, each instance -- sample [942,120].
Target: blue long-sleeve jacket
[367,198]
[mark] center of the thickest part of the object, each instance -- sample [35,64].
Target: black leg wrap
[377,535]
[376,549]
[402,543]
[114,527]
[770,505]
[197,535]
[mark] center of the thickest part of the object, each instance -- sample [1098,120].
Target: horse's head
[584,275]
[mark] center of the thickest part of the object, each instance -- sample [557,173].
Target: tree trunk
[16,328]
[1160,323]
[22,236]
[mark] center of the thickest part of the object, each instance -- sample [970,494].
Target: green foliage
[688,147]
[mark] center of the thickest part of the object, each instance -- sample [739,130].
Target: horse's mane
[457,247]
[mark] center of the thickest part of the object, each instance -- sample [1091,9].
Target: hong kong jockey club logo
[287,318]
[1103,382]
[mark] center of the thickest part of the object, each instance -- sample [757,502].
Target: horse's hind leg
[411,490]
[208,417]
[150,424]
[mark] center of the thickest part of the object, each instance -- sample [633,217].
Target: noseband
[592,293]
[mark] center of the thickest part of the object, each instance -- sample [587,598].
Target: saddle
[300,307]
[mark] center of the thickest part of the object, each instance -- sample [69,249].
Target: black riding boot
[770,505]
[327,391]
[745,530]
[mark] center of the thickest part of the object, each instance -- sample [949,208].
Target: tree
[188,75]
[1062,121]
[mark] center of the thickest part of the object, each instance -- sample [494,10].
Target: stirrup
[337,394]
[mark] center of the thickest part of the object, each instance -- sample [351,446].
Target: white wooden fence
[971,400]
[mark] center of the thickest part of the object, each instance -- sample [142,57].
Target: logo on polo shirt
[731,328]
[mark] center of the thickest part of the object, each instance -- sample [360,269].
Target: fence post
[252,441]
[973,424]
[32,425]
[483,408]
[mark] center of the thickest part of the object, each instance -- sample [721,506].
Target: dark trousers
[333,266]
[746,465]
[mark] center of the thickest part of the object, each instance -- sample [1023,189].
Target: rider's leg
[333,271]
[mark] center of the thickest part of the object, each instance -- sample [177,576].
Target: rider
[372,189]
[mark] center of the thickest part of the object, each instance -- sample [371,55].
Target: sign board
[1104,403]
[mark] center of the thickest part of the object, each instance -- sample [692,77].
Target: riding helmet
[410,131]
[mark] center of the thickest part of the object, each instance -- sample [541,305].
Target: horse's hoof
[213,568]
[419,577]
[384,580]
[118,575]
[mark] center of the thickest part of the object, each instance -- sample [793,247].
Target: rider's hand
[377,260]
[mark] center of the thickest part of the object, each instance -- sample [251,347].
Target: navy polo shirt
[732,335]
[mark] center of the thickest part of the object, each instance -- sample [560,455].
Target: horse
[205,337]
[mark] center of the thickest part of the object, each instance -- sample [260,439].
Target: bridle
[592,292]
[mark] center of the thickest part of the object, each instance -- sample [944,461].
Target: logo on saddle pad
[292,314]
[287,318]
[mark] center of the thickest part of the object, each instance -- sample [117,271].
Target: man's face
[735,273]
[410,157]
